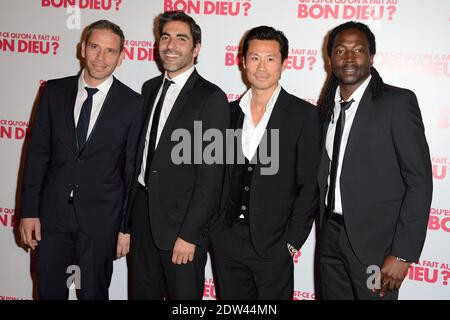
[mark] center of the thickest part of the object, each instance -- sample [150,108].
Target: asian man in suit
[268,203]
[79,165]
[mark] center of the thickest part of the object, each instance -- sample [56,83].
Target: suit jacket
[182,197]
[386,178]
[98,174]
[282,205]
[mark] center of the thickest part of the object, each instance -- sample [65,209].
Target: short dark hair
[266,33]
[105,25]
[352,25]
[169,16]
[178,15]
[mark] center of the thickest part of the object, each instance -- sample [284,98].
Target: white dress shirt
[349,117]
[97,100]
[169,100]
[251,134]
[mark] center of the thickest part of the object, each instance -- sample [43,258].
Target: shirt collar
[181,79]
[246,100]
[102,88]
[357,95]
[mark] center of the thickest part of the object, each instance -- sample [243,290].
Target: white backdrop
[38,41]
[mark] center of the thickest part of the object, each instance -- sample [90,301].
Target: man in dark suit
[173,200]
[375,175]
[267,211]
[80,162]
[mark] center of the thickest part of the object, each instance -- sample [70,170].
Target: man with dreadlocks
[375,174]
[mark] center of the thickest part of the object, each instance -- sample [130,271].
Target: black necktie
[154,128]
[85,115]
[334,162]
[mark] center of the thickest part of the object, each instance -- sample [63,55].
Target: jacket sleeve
[38,158]
[414,160]
[308,158]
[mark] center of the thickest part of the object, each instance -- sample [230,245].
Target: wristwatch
[402,260]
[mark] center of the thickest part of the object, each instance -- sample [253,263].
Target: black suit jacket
[386,178]
[98,174]
[182,197]
[282,206]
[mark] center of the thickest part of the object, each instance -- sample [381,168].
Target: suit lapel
[150,100]
[360,121]
[275,122]
[149,103]
[178,106]
[276,118]
[69,105]
[324,135]
[236,123]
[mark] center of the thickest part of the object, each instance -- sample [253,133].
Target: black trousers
[342,275]
[153,276]
[242,274]
[67,255]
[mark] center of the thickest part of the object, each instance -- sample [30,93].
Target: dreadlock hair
[326,101]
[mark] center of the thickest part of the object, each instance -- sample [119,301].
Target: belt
[338,218]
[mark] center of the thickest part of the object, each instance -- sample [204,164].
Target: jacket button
[246,188]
